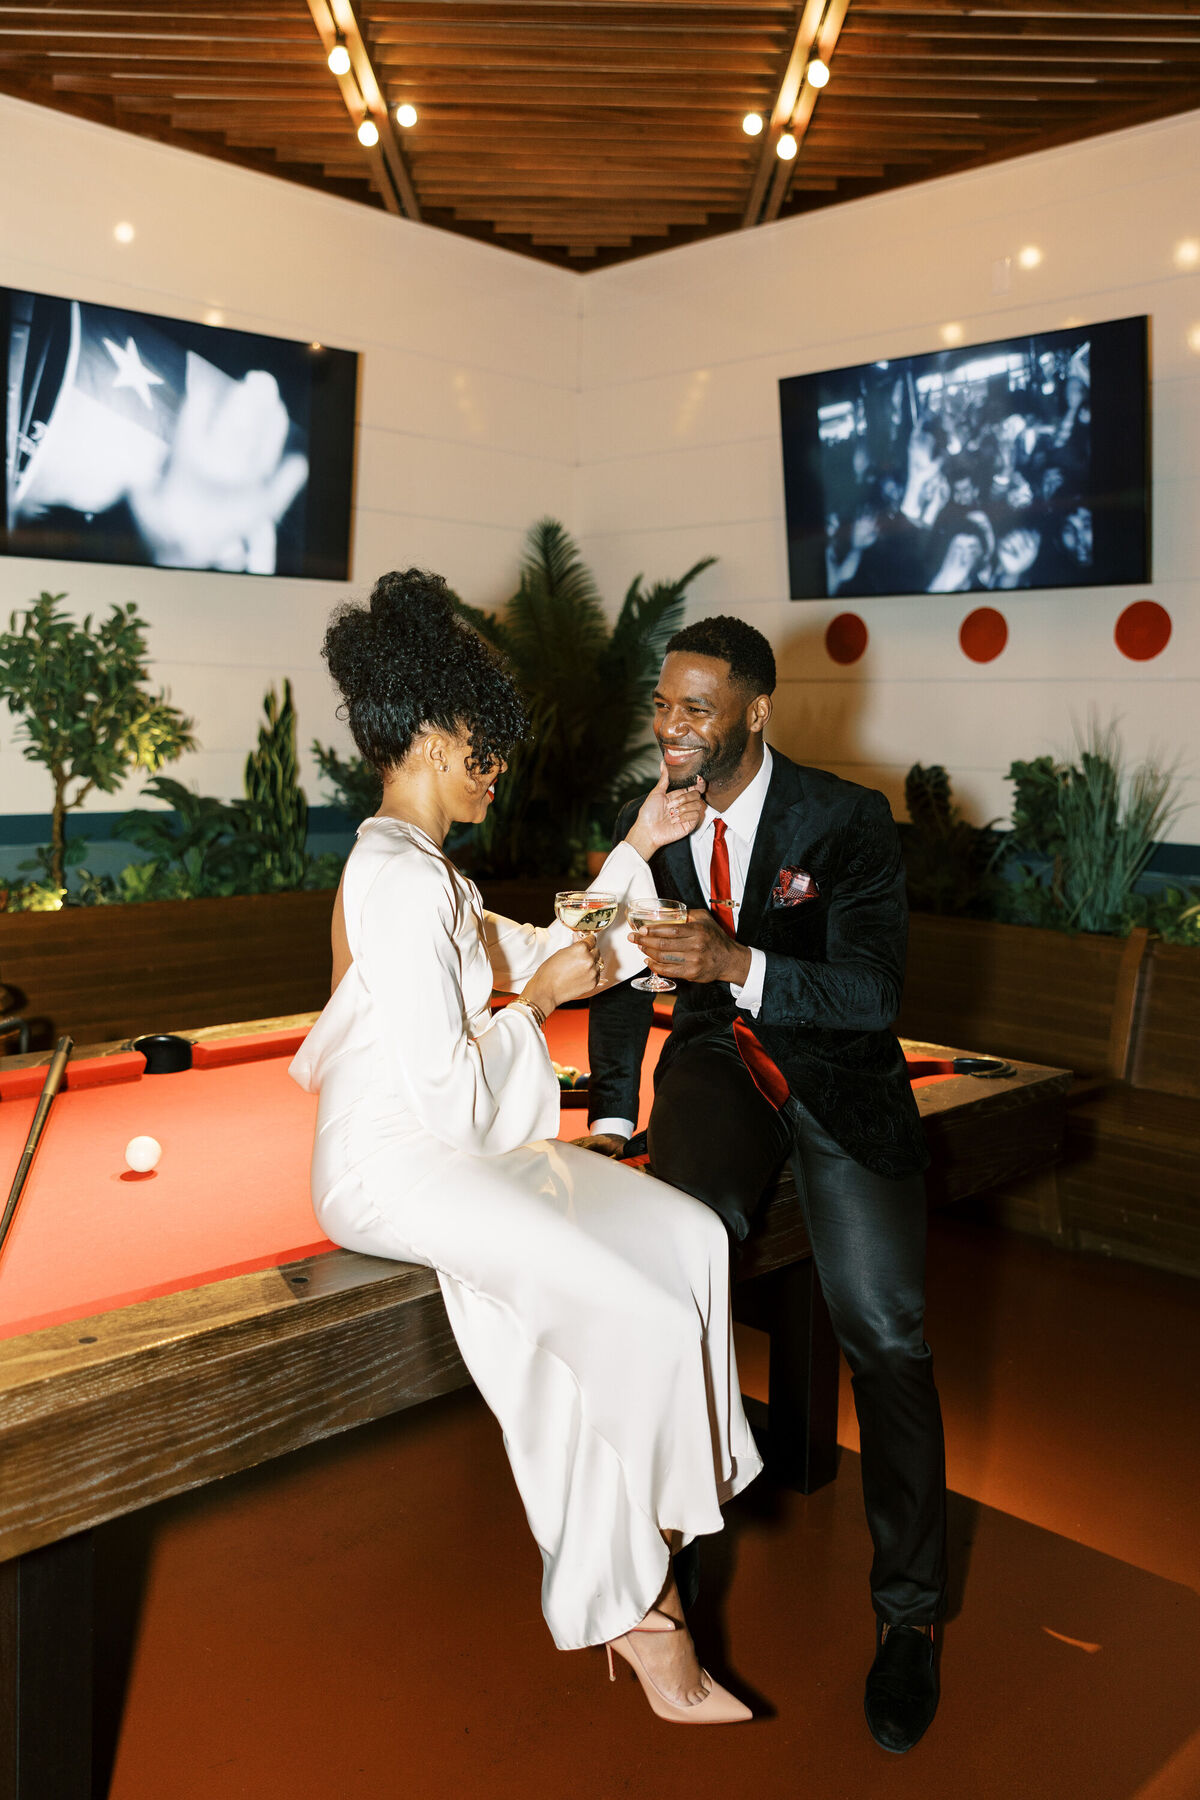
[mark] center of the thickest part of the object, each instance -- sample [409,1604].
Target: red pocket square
[793,887]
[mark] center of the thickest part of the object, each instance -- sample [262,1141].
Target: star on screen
[132,371]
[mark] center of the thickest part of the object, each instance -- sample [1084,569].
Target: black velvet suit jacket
[835,968]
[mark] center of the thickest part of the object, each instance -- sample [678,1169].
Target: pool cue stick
[50,1087]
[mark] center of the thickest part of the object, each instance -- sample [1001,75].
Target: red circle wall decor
[983,634]
[845,638]
[1143,630]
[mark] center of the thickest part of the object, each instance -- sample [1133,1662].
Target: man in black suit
[790,969]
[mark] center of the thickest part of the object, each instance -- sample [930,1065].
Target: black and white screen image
[136,439]
[1018,464]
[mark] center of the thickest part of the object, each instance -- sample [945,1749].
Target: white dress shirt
[741,828]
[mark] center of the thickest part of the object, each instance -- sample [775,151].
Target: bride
[590,1302]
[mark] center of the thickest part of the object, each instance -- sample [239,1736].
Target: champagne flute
[583,910]
[654,910]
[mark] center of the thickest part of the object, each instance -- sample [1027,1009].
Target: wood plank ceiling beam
[804,109]
[807,21]
[363,94]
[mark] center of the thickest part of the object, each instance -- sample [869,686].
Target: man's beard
[720,762]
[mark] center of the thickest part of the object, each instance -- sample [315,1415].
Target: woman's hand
[570,974]
[667,814]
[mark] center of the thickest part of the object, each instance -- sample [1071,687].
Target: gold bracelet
[539,1017]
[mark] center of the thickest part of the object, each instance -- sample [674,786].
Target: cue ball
[142,1154]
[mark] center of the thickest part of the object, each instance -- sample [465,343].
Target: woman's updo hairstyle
[407,660]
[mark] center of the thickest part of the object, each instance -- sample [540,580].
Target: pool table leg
[802,1411]
[46,1672]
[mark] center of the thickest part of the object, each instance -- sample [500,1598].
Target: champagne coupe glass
[654,910]
[582,909]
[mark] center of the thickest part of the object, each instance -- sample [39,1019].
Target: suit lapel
[677,861]
[777,827]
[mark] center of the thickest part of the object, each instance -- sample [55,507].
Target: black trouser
[713,1135]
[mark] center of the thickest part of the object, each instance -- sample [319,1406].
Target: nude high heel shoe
[718,1706]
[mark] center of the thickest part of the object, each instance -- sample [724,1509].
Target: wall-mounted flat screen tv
[1018,464]
[130,438]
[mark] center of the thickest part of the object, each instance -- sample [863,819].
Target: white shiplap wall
[679,448]
[639,404]
[466,404]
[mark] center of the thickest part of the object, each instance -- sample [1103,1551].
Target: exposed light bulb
[368,134]
[786,148]
[1187,253]
[1029,257]
[339,57]
[817,73]
[752,124]
[123,232]
[406,115]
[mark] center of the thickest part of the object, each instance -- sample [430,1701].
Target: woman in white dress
[590,1302]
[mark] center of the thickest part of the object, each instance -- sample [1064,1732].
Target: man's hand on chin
[697,951]
[604,1143]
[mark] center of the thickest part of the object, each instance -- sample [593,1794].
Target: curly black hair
[407,660]
[751,659]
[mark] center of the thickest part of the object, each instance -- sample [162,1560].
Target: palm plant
[589,690]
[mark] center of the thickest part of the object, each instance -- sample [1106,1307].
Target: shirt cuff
[622,1128]
[749,997]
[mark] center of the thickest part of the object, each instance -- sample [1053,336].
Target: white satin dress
[590,1302]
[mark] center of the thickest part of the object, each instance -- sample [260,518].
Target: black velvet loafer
[902,1687]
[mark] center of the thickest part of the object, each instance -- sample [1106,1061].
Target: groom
[790,968]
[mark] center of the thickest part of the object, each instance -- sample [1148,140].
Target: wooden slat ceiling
[585,134]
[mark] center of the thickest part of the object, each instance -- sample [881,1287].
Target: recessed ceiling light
[368,134]
[752,124]
[1029,257]
[1187,253]
[1194,339]
[952,333]
[406,115]
[124,232]
[786,147]
[214,316]
[817,73]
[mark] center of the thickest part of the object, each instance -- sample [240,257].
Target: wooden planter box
[103,972]
[1013,990]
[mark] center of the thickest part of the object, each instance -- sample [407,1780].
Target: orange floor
[360,1621]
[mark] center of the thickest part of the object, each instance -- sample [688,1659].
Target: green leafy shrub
[1083,834]
[356,787]
[949,864]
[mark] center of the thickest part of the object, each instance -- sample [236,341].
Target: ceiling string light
[817,73]
[406,115]
[368,134]
[339,57]
[752,124]
[786,148]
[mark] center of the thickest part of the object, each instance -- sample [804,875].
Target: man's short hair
[751,659]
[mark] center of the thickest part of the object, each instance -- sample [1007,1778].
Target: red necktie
[770,1080]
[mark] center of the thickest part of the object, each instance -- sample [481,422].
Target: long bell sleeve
[484,1094]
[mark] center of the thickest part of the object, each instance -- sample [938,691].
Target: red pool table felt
[230,1194]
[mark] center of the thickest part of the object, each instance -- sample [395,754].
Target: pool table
[159,1331]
